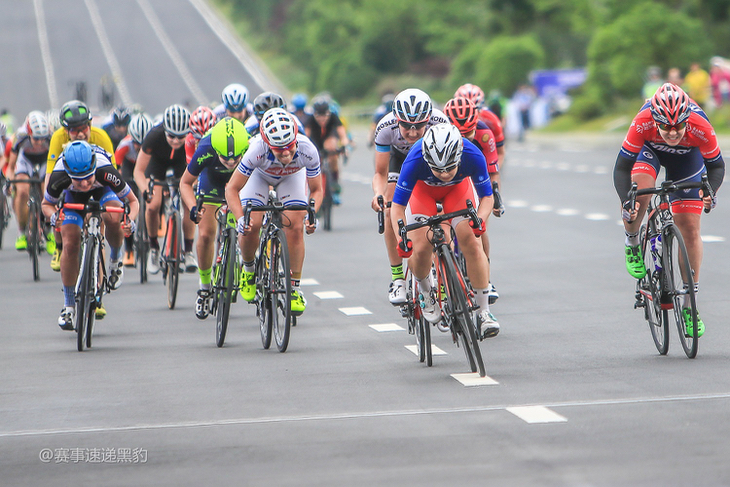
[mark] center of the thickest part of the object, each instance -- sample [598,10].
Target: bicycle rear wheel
[679,283]
[84,293]
[325,208]
[281,292]
[462,315]
[4,213]
[226,289]
[263,296]
[650,288]
[172,258]
[34,242]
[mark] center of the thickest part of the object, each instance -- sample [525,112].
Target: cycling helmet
[473,92]
[74,114]
[278,128]
[670,105]
[442,146]
[387,101]
[266,101]
[54,123]
[299,101]
[229,138]
[201,120]
[79,159]
[37,126]
[139,126]
[176,120]
[321,105]
[121,116]
[462,113]
[235,97]
[412,106]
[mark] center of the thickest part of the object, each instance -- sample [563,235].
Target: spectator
[720,81]
[698,84]
[653,82]
[523,99]
[674,76]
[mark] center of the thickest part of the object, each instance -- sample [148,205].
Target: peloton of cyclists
[672,131]
[85,171]
[281,157]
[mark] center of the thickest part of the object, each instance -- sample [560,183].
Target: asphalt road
[578,395]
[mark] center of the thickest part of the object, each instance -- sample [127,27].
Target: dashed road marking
[472,379]
[567,212]
[434,350]
[309,282]
[356,311]
[712,238]
[537,414]
[387,327]
[541,208]
[328,295]
[597,216]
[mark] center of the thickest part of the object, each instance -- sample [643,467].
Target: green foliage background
[357,49]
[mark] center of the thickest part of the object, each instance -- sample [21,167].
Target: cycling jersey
[259,157]
[114,135]
[60,138]
[211,173]
[318,134]
[126,156]
[473,165]
[388,136]
[485,141]
[162,156]
[29,156]
[494,123]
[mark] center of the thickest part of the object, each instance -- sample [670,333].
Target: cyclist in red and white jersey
[671,131]
[476,95]
[201,120]
[413,113]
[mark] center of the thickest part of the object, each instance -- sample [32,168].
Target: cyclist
[75,125]
[281,157]
[299,107]
[438,169]
[412,115]
[126,156]
[385,107]
[30,148]
[476,95]
[234,103]
[85,171]
[217,156]
[201,120]
[261,104]
[671,131]
[118,126]
[162,150]
[464,115]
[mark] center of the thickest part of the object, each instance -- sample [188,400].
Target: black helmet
[74,114]
[321,105]
[265,101]
[121,116]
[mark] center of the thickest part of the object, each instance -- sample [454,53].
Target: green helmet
[229,138]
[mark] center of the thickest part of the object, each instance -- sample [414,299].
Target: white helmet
[235,97]
[54,122]
[412,106]
[139,127]
[36,125]
[278,128]
[177,120]
[442,147]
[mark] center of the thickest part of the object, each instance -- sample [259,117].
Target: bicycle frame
[35,217]
[171,255]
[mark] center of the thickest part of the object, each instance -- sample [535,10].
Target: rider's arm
[397,212]
[315,190]
[186,189]
[622,174]
[143,160]
[342,134]
[715,172]
[133,203]
[12,160]
[380,178]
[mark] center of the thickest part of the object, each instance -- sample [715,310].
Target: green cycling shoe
[687,315]
[298,303]
[248,286]
[635,262]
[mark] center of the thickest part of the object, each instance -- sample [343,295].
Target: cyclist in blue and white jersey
[234,104]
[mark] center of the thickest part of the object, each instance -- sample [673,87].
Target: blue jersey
[473,165]
[206,165]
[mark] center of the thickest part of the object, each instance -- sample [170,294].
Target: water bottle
[656,251]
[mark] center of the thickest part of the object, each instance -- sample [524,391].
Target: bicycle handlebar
[436,220]
[93,206]
[667,187]
[278,206]
[498,204]
[381,215]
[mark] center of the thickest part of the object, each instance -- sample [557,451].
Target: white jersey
[387,134]
[259,157]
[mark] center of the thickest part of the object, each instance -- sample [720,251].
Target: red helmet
[462,113]
[473,92]
[201,121]
[670,105]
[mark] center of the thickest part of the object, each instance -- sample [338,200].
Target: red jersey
[495,125]
[191,143]
[484,139]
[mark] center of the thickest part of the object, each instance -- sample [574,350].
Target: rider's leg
[152,217]
[20,202]
[206,243]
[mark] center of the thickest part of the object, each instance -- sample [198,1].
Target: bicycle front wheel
[679,285]
[4,214]
[34,240]
[141,240]
[227,286]
[84,293]
[462,316]
[650,288]
[263,300]
[173,258]
[281,295]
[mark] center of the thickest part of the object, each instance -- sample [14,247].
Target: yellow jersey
[60,138]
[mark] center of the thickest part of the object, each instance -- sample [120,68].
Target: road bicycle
[273,271]
[92,283]
[4,209]
[668,287]
[226,267]
[453,290]
[328,185]
[142,240]
[171,252]
[34,230]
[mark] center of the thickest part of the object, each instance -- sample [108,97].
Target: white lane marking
[106,46]
[40,19]
[597,216]
[173,53]
[355,415]
[581,168]
[541,208]
[328,295]
[357,178]
[600,170]
[712,238]
[472,379]
[308,282]
[563,166]
[567,212]
[383,327]
[537,414]
[517,203]
[356,311]
[546,165]
[434,350]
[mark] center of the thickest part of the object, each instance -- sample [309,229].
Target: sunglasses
[178,137]
[77,130]
[290,146]
[412,126]
[445,169]
[666,127]
[229,159]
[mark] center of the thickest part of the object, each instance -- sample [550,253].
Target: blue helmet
[299,101]
[79,159]
[235,97]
